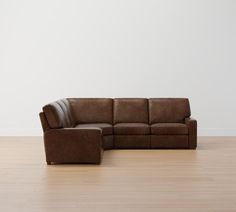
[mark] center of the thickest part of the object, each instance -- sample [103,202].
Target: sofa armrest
[71,145]
[192,130]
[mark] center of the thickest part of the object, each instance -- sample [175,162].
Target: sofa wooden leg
[49,163]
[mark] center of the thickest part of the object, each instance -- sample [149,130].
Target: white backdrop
[117,48]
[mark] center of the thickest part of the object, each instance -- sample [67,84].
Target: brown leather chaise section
[192,129]
[73,145]
[168,110]
[92,110]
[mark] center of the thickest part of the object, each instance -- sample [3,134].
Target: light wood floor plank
[127,180]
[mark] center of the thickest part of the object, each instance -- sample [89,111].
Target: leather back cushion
[168,110]
[92,110]
[130,110]
[58,114]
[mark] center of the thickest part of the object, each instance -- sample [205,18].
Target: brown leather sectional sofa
[77,130]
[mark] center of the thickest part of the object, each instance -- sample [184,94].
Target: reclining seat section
[167,121]
[131,128]
[76,130]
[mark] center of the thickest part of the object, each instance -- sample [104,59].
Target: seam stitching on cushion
[66,112]
[63,112]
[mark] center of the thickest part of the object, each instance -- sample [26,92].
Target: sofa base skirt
[169,142]
[132,141]
[108,142]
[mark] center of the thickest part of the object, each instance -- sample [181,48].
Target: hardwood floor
[127,180]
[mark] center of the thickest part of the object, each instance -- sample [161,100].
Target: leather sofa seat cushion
[131,129]
[130,110]
[168,110]
[106,128]
[169,129]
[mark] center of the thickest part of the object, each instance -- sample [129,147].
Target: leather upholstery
[132,141]
[66,107]
[169,129]
[131,129]
[58,114]
[168,110]
[107,129]
[192,129]
[77,129]
[130,110]
[44,122]
[108,142]
[169,141]
[70,145]
[92,110]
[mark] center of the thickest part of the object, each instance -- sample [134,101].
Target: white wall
[117,48]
